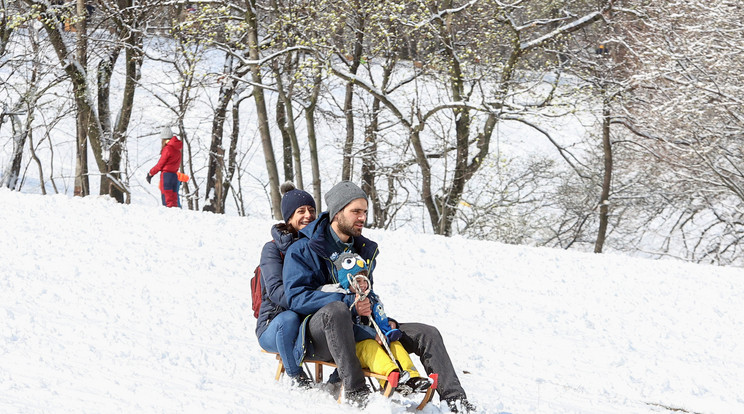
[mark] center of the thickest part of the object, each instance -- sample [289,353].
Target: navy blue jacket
[273,301]
[308,267]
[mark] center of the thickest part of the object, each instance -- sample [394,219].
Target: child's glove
[393,335]
[149,178]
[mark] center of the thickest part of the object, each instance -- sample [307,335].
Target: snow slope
[108,308]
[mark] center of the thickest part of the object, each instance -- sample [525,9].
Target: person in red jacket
[167,166]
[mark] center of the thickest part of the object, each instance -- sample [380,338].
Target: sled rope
[362,296]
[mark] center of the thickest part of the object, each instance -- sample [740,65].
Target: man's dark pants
[332,333]
[426,342]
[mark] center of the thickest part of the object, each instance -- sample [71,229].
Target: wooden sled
[317,377]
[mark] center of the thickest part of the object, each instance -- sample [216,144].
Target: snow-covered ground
[108,308]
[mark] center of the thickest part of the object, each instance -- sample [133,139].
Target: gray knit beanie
[342,194]
[166,133]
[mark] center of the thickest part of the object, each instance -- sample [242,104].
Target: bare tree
[251,20]
[299,80]
[30,76]
[448,33]
[6,29]
[106,138]
[690,118]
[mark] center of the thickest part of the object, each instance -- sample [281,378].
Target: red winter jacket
[170,157]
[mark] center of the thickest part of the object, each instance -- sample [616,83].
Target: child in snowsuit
[349,269]
[168,164]
[351,273]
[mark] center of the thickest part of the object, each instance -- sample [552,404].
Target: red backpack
[257,289]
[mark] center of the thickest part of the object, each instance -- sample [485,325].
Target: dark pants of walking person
[169,189]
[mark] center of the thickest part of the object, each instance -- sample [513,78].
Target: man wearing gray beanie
[341,195]
[327,333]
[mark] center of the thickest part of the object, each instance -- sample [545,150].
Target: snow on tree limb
[576,25]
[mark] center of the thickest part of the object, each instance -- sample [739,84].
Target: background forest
[592,125]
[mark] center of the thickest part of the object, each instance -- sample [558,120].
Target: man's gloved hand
[332,288]
[149,178]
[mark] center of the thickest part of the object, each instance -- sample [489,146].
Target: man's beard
[348,229]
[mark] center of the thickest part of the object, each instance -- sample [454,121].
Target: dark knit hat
[294,199]
[342,194]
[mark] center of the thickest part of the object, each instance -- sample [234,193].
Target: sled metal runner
[317,377]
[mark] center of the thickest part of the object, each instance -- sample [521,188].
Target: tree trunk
[12,174]
[312,139]
[42,183]
[6,29]
[369,154]
[462,118]
[192,200]
[369,166]
[284,104]
[232,155]
[21,132]
[82,185]
[212,195]
[117,188]
[347,166]
[446,206]
[604,201]
[261,112]
[114,135]
[281,123]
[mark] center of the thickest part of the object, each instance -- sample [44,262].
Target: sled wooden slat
[318,378]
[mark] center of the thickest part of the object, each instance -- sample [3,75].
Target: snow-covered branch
[569,28]
[268,58]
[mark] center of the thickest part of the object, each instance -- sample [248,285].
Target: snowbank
[113,308]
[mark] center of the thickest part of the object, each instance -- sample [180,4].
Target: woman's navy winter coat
[273,301]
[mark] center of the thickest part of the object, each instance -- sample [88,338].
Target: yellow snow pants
[373,357]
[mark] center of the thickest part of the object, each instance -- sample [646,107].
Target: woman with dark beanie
[277,327]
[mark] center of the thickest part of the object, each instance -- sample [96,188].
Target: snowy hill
[110,308]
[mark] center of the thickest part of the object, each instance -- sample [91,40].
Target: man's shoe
[302,381]
[414,385]
[358,398]
[460,405]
